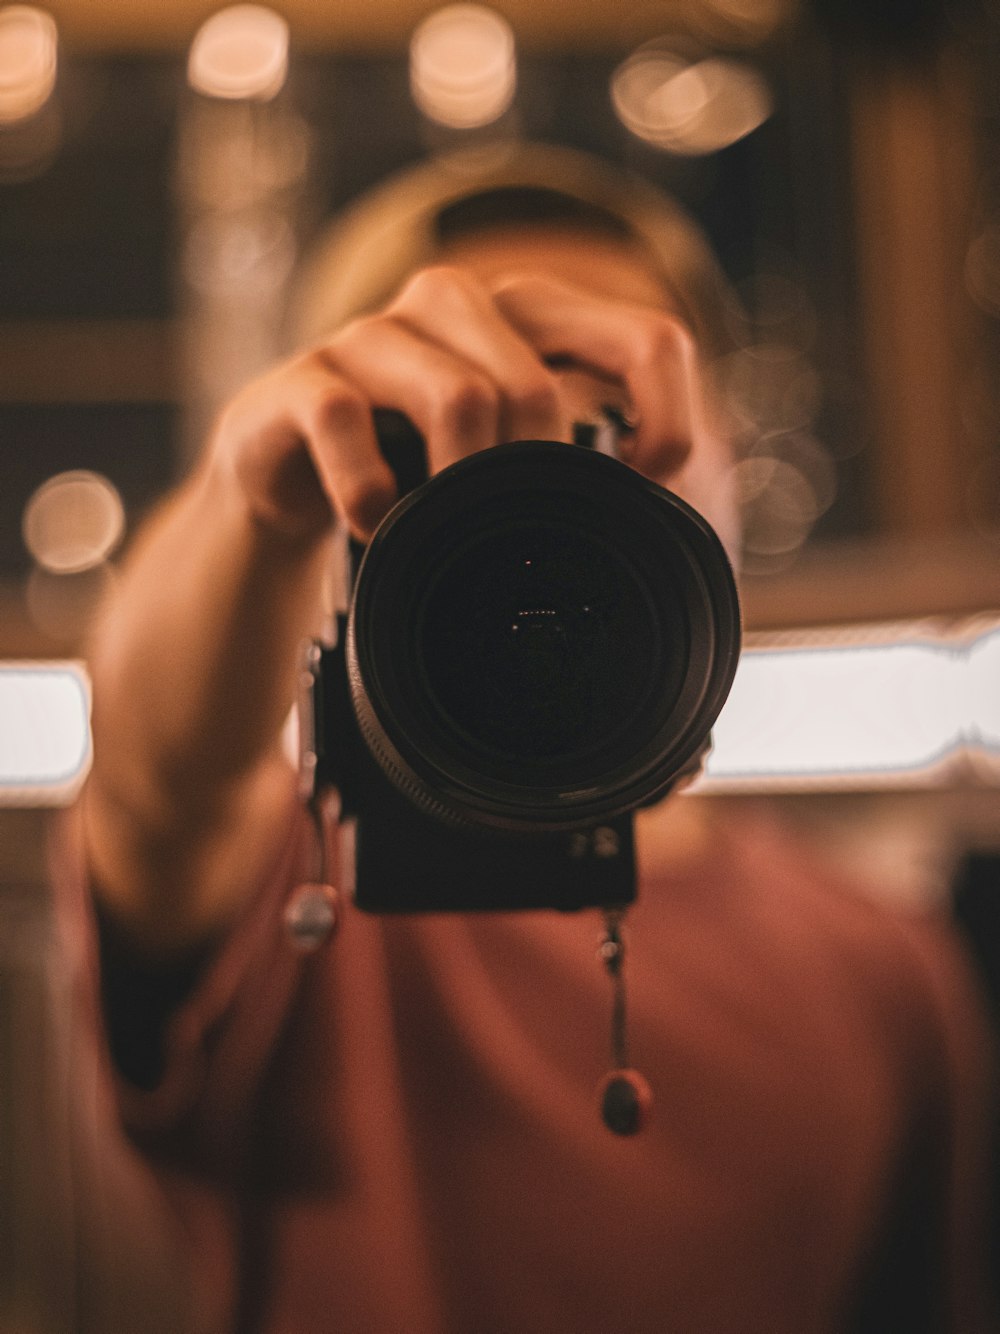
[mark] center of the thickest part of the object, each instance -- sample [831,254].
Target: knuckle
[228,420]
[466,403]
[363,497]
[537,396]
[336,409]
[516,281]
[357,491]
[662,336]
[358,331]
[434,285]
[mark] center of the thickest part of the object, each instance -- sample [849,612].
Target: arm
[195,661]
[194,667]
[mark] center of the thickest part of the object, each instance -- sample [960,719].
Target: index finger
[649,350]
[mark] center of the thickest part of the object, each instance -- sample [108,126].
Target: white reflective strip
[896,713]
[865,715]
[44,732]
[984,692]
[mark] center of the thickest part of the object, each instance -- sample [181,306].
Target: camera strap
[626,1098]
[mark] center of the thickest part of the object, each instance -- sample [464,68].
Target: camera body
[407,859]
[538,643]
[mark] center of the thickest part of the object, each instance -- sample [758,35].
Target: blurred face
[621,272]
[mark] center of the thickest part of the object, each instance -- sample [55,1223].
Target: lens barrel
[540,638]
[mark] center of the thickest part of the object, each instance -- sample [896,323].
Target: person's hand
[472,365]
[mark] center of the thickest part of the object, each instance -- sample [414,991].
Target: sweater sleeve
[185,1042]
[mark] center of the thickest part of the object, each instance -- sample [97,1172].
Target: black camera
[538,643]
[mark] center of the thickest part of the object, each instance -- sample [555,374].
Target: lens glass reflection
[540,645]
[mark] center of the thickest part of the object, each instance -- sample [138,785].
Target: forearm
[194,666]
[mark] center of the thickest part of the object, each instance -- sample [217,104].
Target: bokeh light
[240,258]
[772,387]
[28,59]
[73,522]
[240,53]
[463,66]
[779,507]
[689,108]
[809,457]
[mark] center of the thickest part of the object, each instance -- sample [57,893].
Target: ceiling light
[688,108]
[463,68]
[73,522]
[28,43]
[240,53]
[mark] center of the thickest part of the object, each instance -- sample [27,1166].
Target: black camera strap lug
[328,730]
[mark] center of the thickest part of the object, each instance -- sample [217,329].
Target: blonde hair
[365,254]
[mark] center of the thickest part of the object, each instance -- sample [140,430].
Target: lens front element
[539,638]
[540,647]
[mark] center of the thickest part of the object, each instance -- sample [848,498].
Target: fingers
[646,349]
[302,446]
[443,355]
[454,405]
[335,419]
[470,366]
[452,309]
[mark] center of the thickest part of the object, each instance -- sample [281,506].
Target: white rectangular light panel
[889,706]
[44,732]
[884,707]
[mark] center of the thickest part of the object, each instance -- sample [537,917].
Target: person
[396,1130]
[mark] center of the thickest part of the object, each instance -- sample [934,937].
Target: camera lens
[539,638]
[539,645]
